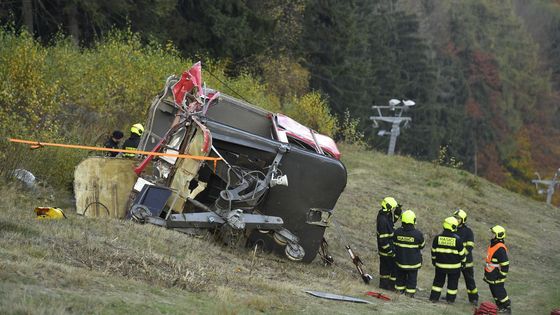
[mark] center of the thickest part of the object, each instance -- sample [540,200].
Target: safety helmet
[460,214]
[137,129]
[499,232]
[49,213]
[408,217]
[388,203]
[450,223]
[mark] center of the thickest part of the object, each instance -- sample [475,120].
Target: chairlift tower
[550,183]
[396,107]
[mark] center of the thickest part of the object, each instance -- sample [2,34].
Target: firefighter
[388,214]
[134,140]
[407,243]
[497,267]
[467,236]
[449,257]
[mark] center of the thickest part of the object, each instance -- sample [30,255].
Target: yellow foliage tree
[285,78]
[313,111]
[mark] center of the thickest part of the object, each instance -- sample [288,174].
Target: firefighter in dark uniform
[448,256]
[407,243]
[497,267]
[467,235]
[386,219]
[134,140]
[113,142]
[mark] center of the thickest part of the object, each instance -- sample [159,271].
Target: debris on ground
[49,213]
[336,297]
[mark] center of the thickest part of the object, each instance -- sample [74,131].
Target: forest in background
[484,73]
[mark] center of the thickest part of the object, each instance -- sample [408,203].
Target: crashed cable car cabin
[256,176]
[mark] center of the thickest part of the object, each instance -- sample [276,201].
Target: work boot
[474,302]
[449,299]
[410,295]
[434,296]
[505,310]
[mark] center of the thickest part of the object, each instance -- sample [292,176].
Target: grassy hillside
[84,265]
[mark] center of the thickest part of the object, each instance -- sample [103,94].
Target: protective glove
[397,213]
[398,210]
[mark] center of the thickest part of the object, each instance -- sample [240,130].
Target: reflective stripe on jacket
[467,236]
[131,144]
[407,243]
[385,230]
[448,251]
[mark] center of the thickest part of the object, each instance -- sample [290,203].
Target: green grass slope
[100,266]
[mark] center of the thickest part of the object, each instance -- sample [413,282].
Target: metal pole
[551,186]
[396,107]
[549,193]
[395,131]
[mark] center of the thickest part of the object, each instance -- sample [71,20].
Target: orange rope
[37,144]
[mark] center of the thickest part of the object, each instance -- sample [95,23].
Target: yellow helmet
[388,203]
[408,217]
[450,223]
[49,213]
[499,232]
[460,214]
[137,129]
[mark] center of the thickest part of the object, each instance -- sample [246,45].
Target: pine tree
[334,49]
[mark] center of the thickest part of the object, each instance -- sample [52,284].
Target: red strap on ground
[378,295]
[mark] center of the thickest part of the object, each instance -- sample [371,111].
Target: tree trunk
[73,26]
[27,14]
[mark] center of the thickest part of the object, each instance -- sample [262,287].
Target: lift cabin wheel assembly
[294,251]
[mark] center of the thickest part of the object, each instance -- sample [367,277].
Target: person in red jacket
[497,267]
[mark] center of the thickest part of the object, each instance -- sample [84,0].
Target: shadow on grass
[9,227]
